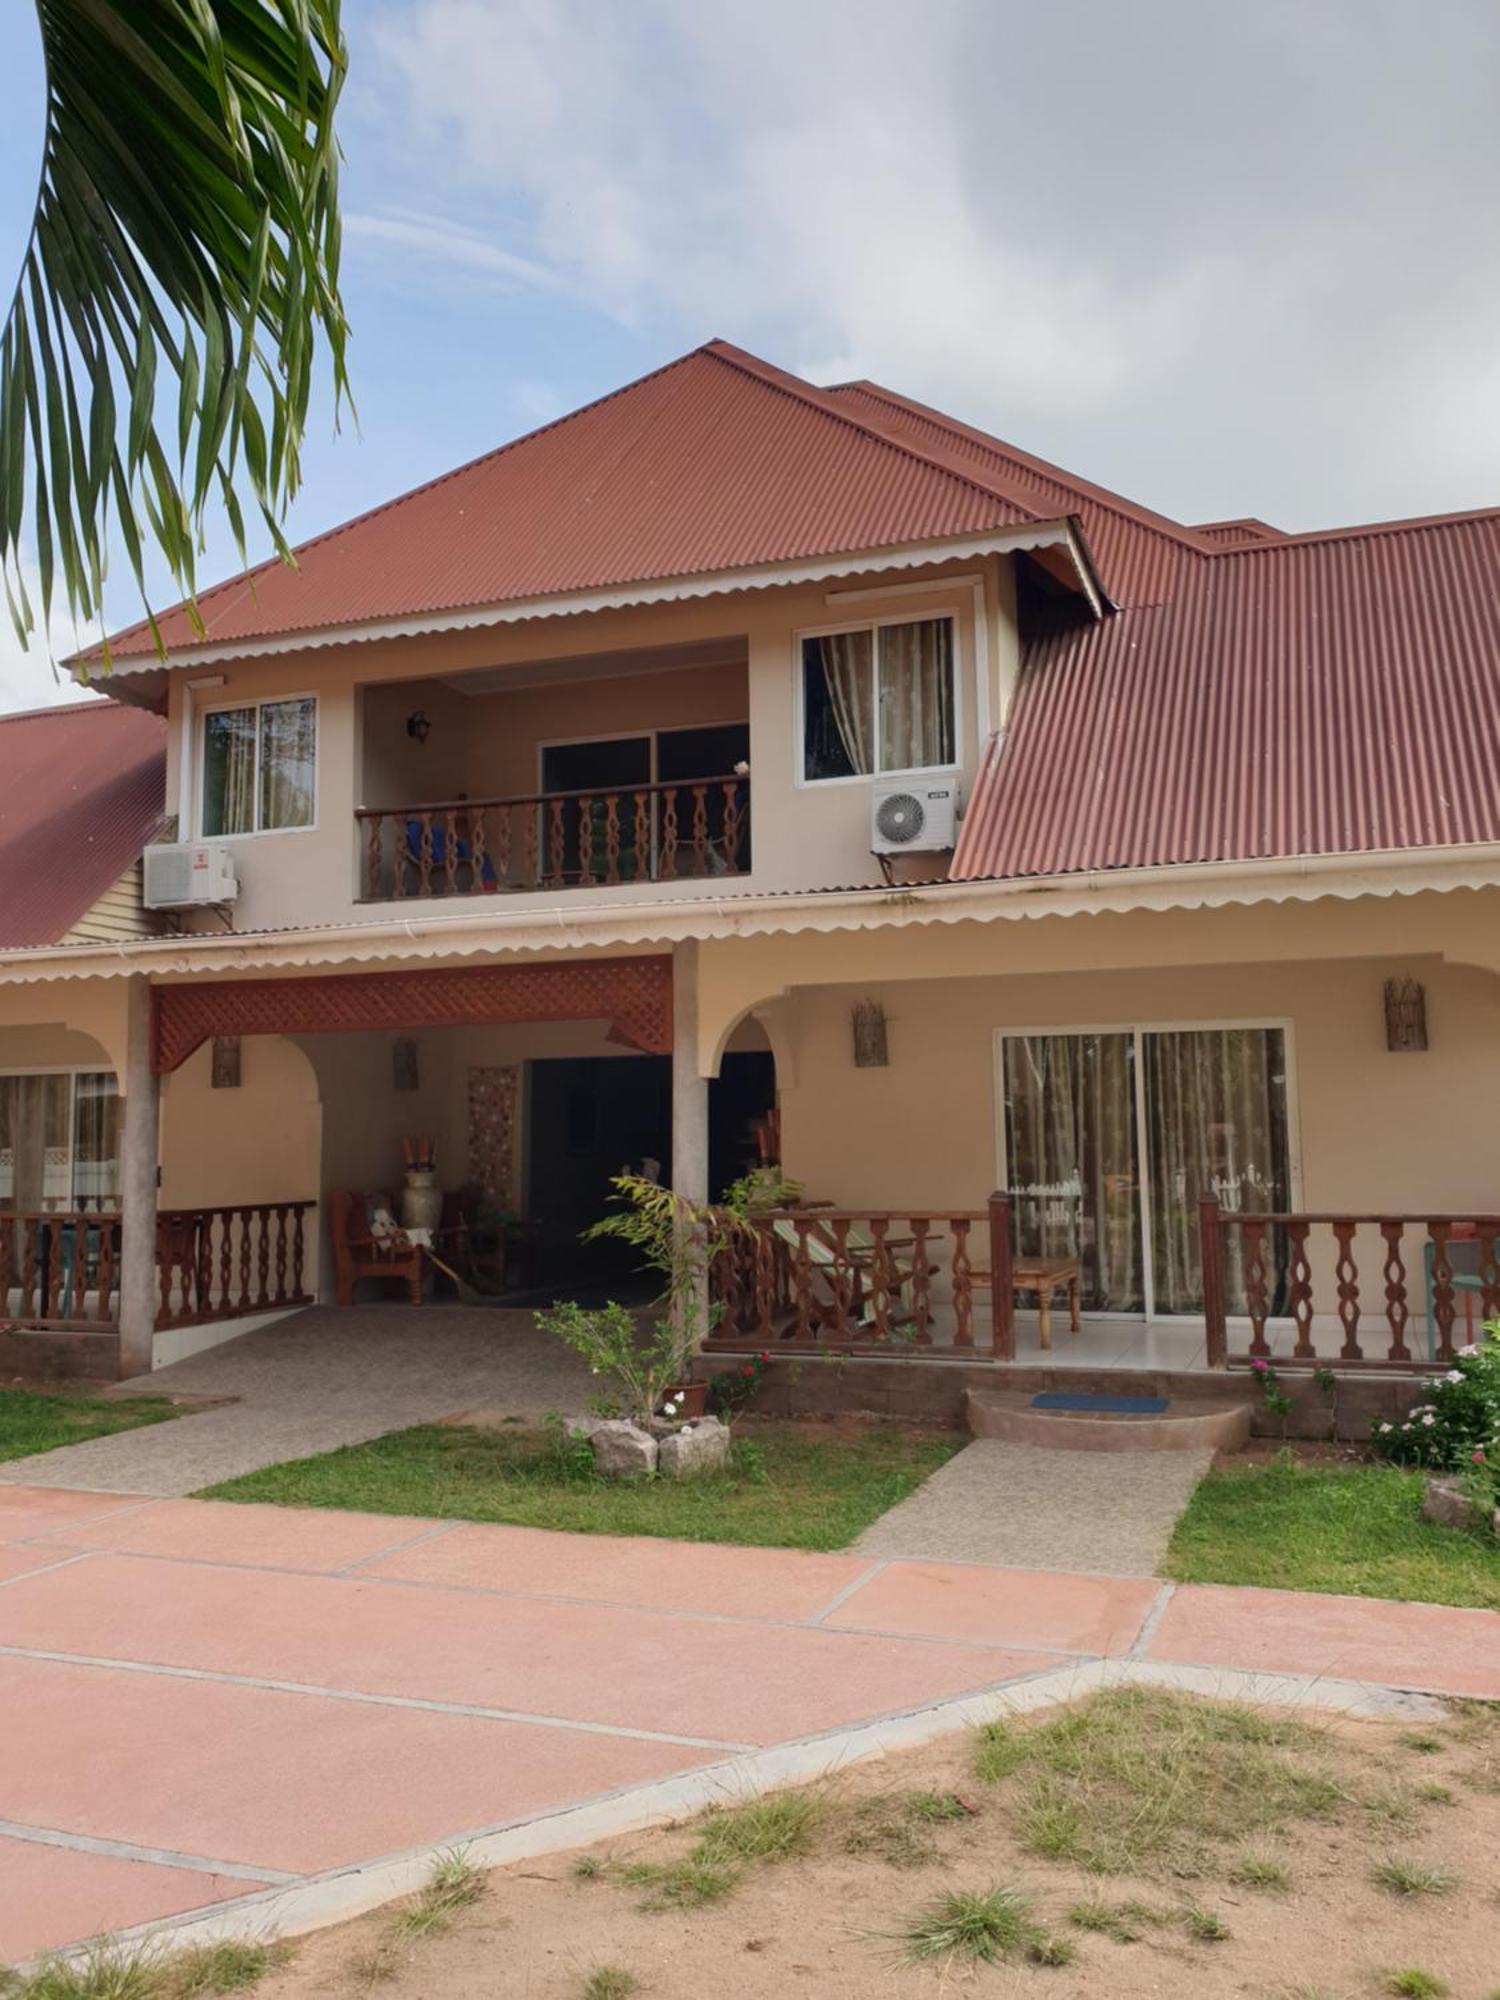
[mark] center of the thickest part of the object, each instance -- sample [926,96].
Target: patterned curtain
[916,695]
[845,661]
[287,753]
[229,771]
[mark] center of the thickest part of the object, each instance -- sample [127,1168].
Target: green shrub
[1458,1428]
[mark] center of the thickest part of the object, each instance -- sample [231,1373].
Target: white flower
[1429,1419]
[1384,1428]
[1454,1375]
[1465,1354]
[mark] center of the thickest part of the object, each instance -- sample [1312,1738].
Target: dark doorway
[590,1117]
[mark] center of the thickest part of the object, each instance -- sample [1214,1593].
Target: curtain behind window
[1070,1137]
[96,1153]
[287,762]
[1216,1120]
[35,1145]
[838,705]
[229,771]
[916,695]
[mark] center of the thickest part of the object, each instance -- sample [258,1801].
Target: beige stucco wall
[803,836]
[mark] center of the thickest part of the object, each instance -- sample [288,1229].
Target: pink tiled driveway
[217,1698]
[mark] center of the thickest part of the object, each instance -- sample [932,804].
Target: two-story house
[738,768]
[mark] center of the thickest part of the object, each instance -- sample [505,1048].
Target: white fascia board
[666,590]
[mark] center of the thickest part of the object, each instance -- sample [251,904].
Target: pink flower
[1478,1454]
[1261,1367]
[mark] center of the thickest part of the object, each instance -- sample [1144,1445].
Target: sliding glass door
[1112,1137]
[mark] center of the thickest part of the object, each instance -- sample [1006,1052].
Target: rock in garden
[1447,1504]
[699,1448]
[622,1450]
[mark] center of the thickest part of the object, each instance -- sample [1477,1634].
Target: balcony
[691,830]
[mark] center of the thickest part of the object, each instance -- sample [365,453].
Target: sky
[1226,259]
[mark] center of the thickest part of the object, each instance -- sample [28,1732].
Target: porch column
[689,1102]
[138,1155]
[689,1089]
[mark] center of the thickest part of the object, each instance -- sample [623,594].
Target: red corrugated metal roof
[1323,694]
[716,462]
[1244,528]
[82,790]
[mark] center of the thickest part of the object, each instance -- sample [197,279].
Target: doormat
[1109,1406]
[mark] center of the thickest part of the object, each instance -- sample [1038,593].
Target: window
[58,1141]
[259,766]
[878,699]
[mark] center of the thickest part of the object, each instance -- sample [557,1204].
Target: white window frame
[1138,1031]
[73,1071]
[874,626]
[257,702]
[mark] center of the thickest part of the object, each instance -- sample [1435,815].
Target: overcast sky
[1226,258]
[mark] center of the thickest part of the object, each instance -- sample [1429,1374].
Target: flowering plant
[731,1390]
[1458,1428]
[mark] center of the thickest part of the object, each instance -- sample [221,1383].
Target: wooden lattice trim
[634,995]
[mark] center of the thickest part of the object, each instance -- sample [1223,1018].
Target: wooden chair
[356,1253]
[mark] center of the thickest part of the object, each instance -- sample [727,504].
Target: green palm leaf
[181,272]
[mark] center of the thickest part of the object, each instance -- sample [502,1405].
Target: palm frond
[181,274]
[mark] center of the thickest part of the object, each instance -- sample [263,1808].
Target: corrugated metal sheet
[82,790]
[1237,533]
[716,462]
[1319,695]
[1139,554]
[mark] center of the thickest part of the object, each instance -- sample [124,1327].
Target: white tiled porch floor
[1164,1343]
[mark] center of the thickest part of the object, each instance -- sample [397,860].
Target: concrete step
[1196,1425]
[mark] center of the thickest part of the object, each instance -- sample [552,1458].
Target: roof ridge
[68,710]
[246,578]
[1104,496]
[1359,531]
[820,400]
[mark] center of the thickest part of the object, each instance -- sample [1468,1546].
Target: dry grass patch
[1137,1781]
[108,1970]
[454,1884]
[982,1928]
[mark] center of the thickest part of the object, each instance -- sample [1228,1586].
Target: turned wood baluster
[424,857]
[731,826]
[374,864]
[557,843]
[921,1281]
[1257,1296]
[478,849]
[226,1261]
[1489,1267]
[585,843]
[668,869]
[450,853]
[163,1273]
[1346,1271]
[1444,1299]
[802,1283]
[55,1269]
[8,1227]
[1299,1291]
[700,829]
[1397,1312]
[298,1250]
[612,836]
[841,1281]
[400,852]
[882,1277]
[963,1284]
[281,1250]
[531,833]
[643,868]
[243,1302]
[501,855]
[263,1259]
[203,1269]
[104,1273]
[764,1282]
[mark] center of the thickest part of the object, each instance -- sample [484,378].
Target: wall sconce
[870,1047]
[418,728]
[1405,1015]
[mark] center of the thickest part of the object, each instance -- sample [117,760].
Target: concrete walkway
[315,1381]
[1035,1507]
[275,1715]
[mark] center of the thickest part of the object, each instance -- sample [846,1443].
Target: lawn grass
[31,1421]
[1353,1530]
[786,1489]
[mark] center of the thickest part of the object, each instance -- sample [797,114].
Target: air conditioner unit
[913,818]
[181,877]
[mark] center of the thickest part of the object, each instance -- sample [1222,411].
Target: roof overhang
[662,921]
[1061,540]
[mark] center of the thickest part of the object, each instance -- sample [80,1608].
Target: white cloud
[29,678]
[1223,258]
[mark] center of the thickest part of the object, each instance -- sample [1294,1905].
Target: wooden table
[1044,1276]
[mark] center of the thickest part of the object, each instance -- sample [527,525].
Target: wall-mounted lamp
[1405,1015]
[418,728]
[870,1049]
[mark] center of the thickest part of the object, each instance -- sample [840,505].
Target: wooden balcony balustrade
[222,1263]
[1404,1255]
[688,830]
[60,1268]
[867,1281]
